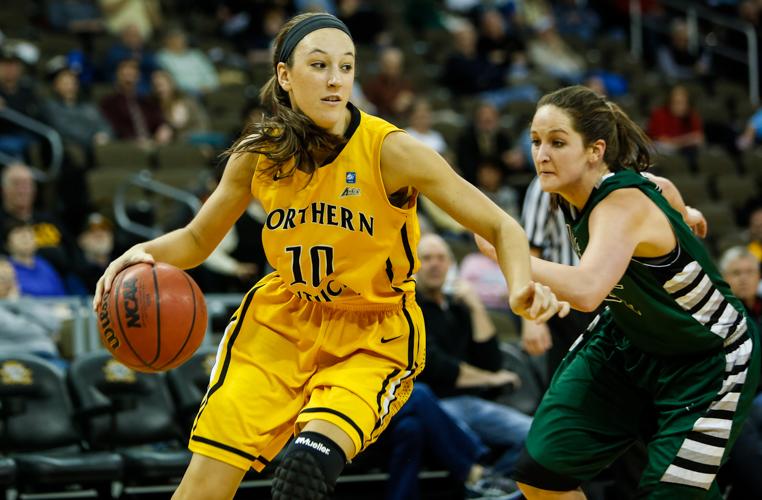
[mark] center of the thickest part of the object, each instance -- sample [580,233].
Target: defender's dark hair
[284,132]
[594,118]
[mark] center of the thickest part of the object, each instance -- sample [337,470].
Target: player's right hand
[134,255]
[537,302]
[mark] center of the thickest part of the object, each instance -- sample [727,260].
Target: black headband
[304,28]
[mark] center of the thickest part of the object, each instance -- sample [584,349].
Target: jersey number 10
[321,256]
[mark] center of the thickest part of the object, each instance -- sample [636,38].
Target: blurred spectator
[577,19]
[53,241]
[365,22]
[482,141]
[36,276]
[131,45]
[496,45]
[79,122]
[422,429]
[17,92]
[258,42]
[97,245]
[390,90]
[420,126]
[144,14]
[463,359]
[133,117]
[465,73]
[676,127]
[239,259]
[677,60]
[752,132]
[26,327]
[606,83]
[190,68]
[328,6]
[81,126]
[489,180]
[75,16]
[740,268]
[183,113]
[484,276]
[755,233]
[741,271]
[550,54]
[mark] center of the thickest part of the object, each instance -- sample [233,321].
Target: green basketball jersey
[670,306]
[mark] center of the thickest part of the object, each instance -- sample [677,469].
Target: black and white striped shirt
[546,228]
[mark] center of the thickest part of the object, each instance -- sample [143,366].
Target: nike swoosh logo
[385,340]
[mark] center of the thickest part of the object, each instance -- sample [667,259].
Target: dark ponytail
[284,133]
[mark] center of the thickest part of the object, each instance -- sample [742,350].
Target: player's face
[742,275]
[560,157]
[320,81]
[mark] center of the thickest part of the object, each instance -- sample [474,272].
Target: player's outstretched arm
[406,162]
[188,246]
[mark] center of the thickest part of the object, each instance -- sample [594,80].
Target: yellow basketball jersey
[336,237]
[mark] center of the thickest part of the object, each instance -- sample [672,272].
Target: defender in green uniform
[672,359]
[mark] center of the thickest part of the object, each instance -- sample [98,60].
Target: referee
[549,239]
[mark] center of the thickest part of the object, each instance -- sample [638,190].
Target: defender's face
[560,158]
[320,81]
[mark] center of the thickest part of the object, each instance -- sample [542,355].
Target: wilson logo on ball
[130,293]
[109,336]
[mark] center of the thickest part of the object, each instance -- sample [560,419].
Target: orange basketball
[153,318]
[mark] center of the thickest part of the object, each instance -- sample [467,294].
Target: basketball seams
[116,287]
[190,329]
[157,300]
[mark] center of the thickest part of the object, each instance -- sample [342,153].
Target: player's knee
[309,470]
[537,481]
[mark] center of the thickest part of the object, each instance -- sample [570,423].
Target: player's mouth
[332,100]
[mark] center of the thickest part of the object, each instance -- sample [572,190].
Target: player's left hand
[537,302]
[696,221]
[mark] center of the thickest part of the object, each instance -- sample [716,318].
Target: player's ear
[596,151]
[284,78]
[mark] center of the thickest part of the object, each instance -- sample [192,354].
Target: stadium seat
[720,218]
[181,155]
[226,99]
[670,164]
[752,162]
[736,190]
[7,472]
[715,161]
[132,414]
[527,396]
[122,154]
[693,187]
[39,434]
[188,384]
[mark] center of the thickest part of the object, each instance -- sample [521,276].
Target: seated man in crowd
[463,360]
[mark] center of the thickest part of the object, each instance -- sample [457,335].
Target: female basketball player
[328,345]
[672,358]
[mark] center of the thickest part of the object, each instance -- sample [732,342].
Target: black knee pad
[309,470]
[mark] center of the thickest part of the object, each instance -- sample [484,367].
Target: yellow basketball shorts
[284,361]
